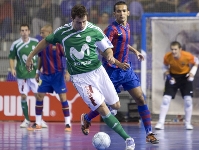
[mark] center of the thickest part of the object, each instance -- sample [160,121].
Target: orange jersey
[180,65]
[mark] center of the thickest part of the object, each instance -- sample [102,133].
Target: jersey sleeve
[193,59]
[52,39]
[166,59]
[12,54]
[109,32]
[102,41]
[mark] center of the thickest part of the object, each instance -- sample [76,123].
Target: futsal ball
[101,141]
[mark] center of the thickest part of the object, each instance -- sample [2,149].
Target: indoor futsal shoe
[25,124]
[34,127]
[67,128]
[150,138]
[130,144]
[85,125]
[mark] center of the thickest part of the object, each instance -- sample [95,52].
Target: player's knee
[23,96]
[187,101]
[40,96]
[62,97]
[166,100]
[116,106]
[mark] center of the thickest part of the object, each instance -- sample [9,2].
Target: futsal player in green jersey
[19,51]
[80,40]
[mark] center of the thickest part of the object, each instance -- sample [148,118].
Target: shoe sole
[33,129]
[154,142]
[159,128]
[67,130]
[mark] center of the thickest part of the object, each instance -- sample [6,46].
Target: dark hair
[174,43]
[78,11]
[119,3]
[24,25]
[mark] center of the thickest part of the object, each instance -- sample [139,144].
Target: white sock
[38,119]
[67,120]
[164,108]
[188,106]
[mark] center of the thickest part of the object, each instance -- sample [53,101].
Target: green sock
[24,106]
[114,124]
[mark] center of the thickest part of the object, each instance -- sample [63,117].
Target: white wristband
[193,70]
[37,71]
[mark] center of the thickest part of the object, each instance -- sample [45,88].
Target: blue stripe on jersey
[55,60]
[48,57]
[118,47]
[126,44]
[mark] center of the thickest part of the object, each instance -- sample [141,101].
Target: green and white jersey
[80,47]
[20,51]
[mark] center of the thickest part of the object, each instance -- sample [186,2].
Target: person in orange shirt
[179,75]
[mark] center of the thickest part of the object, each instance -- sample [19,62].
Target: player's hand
[37,77]
[29,64]
[67,76]
[110,59]
[13,72]
[140,56]
[123,66]
[172,81]
[190,77]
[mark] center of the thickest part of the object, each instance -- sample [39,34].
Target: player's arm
[66,76]
[109,54]
[136,52]
[12,57]
[12,66]
[193,70]
[38,70]
[40,46]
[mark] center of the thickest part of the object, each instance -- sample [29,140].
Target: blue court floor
[174,137]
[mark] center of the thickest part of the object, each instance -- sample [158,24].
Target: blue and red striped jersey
[51,59]
[119,36]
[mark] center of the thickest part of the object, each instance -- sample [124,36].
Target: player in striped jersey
[119,34]
[80,40]
[179,75]
[51,79]
[19,51]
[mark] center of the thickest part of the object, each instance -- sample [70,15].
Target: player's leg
[92,93]
[66,111]
[34,87]
[38,110]
[144,112]
[92,114]
[188,107]
[169,93]
[131,83]
[116,79]
[187,94]
[43,88]
[24,89]
[163,112]
[115,125]
[95,102]
[59,86]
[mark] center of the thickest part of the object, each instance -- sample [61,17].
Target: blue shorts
[127,78]
[54,82]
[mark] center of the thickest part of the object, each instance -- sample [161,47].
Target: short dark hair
[119,3]
[24,25]
[174,43]
[79,11]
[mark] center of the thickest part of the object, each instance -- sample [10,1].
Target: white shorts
[95,87]
[25,85]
